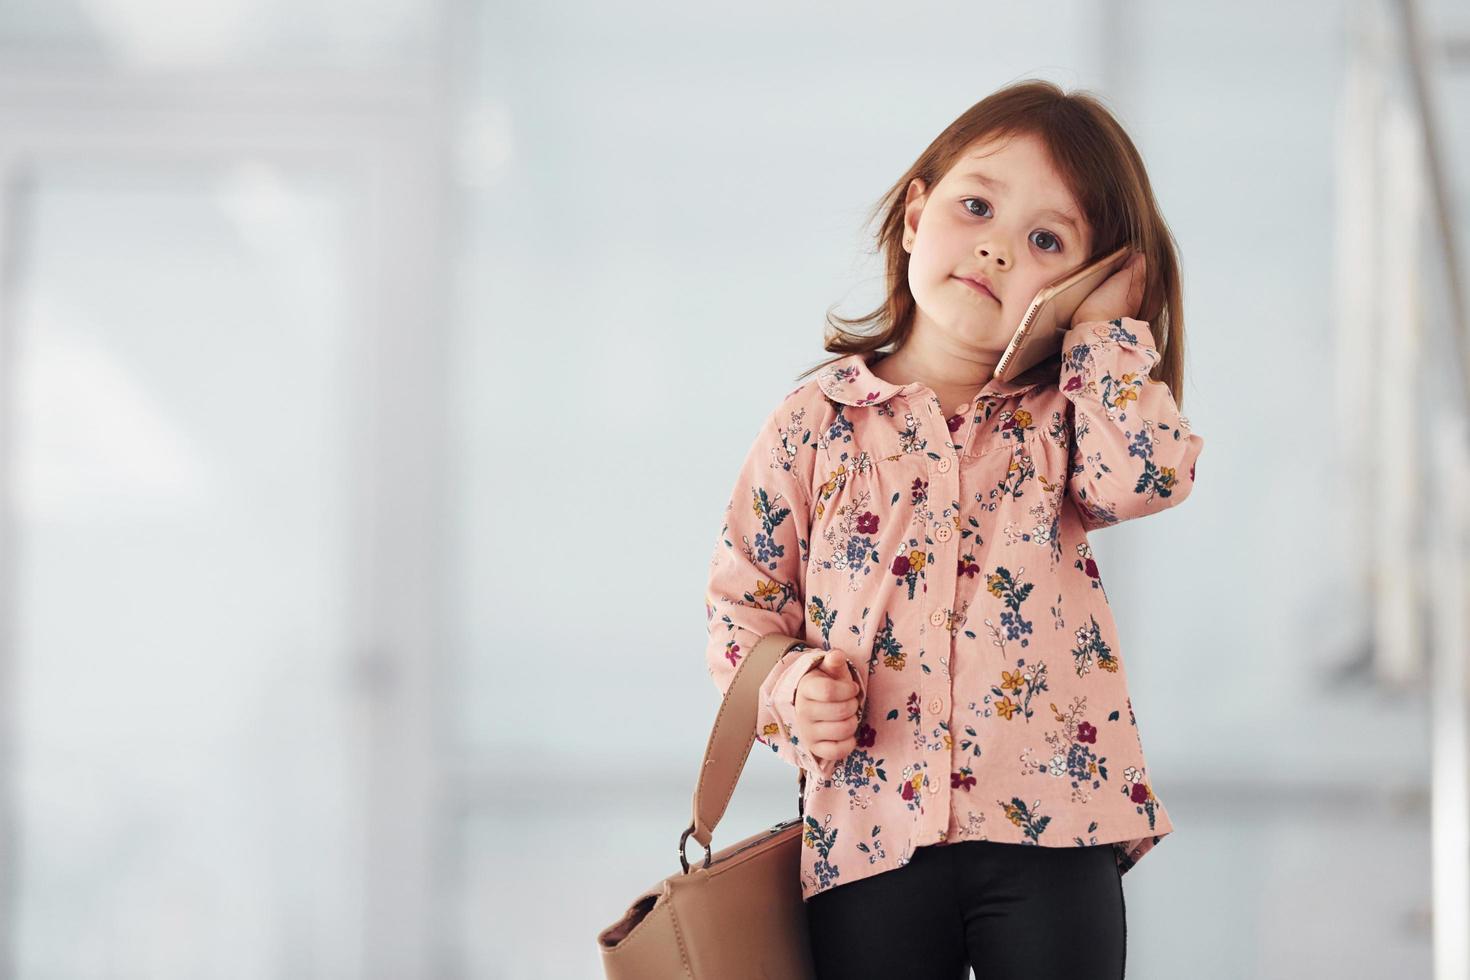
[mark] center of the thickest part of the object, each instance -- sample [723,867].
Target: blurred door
[216,591]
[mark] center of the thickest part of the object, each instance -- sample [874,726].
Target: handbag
[739,914]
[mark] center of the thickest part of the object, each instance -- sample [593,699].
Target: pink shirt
[948,558]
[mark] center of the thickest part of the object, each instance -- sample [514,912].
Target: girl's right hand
[827,708]
[1120,294]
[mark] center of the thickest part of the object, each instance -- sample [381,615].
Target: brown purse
[738,914]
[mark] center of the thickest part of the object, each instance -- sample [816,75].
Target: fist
[1120,294]
[827,708]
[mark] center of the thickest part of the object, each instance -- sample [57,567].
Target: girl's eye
[966,203]
[1048,235]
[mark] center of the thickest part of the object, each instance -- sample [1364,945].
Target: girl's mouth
[978,288]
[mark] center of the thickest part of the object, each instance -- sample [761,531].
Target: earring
[907,242]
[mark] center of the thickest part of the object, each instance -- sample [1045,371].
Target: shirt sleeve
[1133,453]
[757,578]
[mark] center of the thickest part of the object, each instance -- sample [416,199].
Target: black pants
[1009,911]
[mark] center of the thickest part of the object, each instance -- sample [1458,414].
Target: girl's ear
[916,191]
[913,204]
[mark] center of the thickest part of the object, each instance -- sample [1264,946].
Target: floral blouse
[948,558]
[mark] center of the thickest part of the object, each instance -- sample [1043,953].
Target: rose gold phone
[1040,334]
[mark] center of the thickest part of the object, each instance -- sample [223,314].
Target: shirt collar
[851,381]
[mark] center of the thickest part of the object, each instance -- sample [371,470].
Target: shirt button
[943,464]
[942,532]
[935,704]
[937,617]
[934,787]
[962,409]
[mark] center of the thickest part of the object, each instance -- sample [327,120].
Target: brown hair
[1105,174]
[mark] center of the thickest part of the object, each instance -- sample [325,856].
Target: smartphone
[1039,335]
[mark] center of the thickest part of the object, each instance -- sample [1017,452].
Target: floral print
[947,556]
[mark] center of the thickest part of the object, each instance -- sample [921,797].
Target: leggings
[1009,911]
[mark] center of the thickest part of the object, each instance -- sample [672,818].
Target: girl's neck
[955,389]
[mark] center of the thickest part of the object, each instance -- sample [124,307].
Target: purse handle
[730,741]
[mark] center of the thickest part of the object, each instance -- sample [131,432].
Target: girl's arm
[757,574]
[1133,454]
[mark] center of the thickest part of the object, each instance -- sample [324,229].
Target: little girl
[973,780]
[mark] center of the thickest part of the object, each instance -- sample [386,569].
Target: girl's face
[1002,213]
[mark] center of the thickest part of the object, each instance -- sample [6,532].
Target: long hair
[1105,174]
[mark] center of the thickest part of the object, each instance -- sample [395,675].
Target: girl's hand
[826,708]
[1121,294]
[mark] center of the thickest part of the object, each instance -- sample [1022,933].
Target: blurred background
[374,375]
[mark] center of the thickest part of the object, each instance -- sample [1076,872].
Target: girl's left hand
[1121,294]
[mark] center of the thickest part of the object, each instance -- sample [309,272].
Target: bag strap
[730,741]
